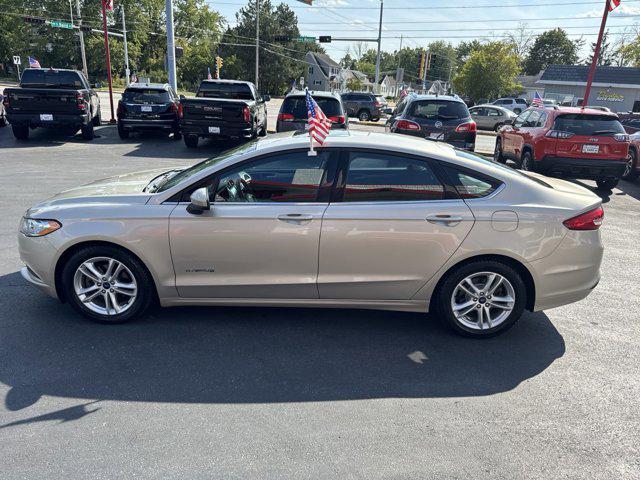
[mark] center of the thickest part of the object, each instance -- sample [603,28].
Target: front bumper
[33,119]
[588,168]
[147,124]
[38,255]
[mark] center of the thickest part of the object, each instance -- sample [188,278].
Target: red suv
[566,141]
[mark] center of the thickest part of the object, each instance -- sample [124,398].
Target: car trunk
[293,113]
[587,136]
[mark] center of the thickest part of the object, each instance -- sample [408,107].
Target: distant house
[530,84]
[388,86]
[351,77]
[323,73]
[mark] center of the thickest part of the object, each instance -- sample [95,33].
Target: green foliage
[608,55]
[489,72]
[551,47]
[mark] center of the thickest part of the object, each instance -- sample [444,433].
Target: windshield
[297,106]
[586,124]
[50,78]
[172,181]
[147,95]
[233,91]
[439,110]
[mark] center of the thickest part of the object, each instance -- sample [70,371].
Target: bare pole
[379,43]
[257,42]
[108,58]
[83,54]
[596,54]
[127,72]
[171,45]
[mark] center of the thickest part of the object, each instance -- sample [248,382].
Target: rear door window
[439,110]
[146,95]
[51,79]
[233,91]
[585,124]
[297,106]
[470,184]
[380,177]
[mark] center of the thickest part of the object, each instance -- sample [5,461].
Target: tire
[21,132]
[176,134]
[364,115]
[497,152]
[133,302]
[607,183]
[498,126]
[87,131]
[631,170]
[263,130]
[191,141]
[3,121]
[517,111]
[527,162]
[474,323]
[97,120]
[122,133]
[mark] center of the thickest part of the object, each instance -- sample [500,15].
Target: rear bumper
[147,124]
[226,131]
[298,126]
[589,168]
[33,119]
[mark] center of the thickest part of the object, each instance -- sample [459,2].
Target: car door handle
[448,220]
[294,217]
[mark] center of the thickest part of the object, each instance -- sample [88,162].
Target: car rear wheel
[498,126]
[87,131]
[3,121]
[176,134]
[630,170]
[97,120]
[364,115]
[497,152]
[607,183]
[263,130]
[482,299]
[526,162]
[191,141]
[122,133]
[21,132]
[107,285]
[517,111]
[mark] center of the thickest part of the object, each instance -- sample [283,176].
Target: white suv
[516,105]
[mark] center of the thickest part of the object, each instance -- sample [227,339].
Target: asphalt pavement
[237,393]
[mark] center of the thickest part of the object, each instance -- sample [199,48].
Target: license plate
[214,129]
[435,135]
[146,109]
[590,148]
[46,117]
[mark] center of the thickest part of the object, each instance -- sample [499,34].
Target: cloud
[331,3]
[623,9]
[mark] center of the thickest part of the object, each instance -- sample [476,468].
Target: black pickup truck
[54,98]
[223,109]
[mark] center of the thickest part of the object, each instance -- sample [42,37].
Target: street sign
[55,23]
[17,60]
[304,39]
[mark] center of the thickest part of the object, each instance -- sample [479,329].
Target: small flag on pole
[134,78]
[33,63]
[537,100]
[613,4]
[319,124]
[209,77]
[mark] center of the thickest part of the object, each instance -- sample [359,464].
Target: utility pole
[596,54]
[108,59]
[257,42]
[127,72]
[83,54]
[171,45]
[379,42]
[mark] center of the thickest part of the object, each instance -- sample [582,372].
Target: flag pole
[108,55]
[596,54]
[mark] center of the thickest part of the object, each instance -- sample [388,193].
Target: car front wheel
[482,298]
[526,163]
[364,115]
[106,284]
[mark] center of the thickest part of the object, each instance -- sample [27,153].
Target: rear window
[233,91]
[50,78]
[297,106]
[439,109]
[147,95]
[584,124]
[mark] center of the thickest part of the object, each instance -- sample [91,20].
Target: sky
[453,21]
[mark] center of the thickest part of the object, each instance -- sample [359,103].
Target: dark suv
[436,117]
[364,106]
[148,106]
[293,112]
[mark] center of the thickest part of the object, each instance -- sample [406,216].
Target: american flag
[613,4]
[209,74]
[33,63]
[536,101]
[319,124]
[108,5]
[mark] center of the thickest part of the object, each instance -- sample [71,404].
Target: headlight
[33,227]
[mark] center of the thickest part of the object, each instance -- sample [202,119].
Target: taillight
[5,101]
[592,220]
[337,119]
[407,125]
[377,104]
[558,134]
[173,108]
[246,115]
[621,137]
[285,117]
[180,110]
[466,127]
[82,105]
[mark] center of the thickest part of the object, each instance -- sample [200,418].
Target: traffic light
[324,39]
[432,60]
[35,20]
[86,28]
[281,38]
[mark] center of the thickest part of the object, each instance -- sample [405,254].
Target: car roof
[140,86]
[588,111]
[314,93]
[220,80]
[450,98]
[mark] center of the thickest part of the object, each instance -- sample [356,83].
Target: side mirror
[266,98]
[199,201]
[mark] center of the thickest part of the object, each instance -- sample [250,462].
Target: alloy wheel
[629,166]
[483,300]
[105,285]
[496,151]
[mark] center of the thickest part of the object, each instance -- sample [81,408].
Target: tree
[489,72]
[550,47]
[521,38]
[465,49]
[607,55]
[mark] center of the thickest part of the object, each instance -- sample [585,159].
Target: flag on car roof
[33,63]
[209,74]
[536,101]
[319,124]
[613,4]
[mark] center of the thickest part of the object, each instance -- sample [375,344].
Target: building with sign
[617,88]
